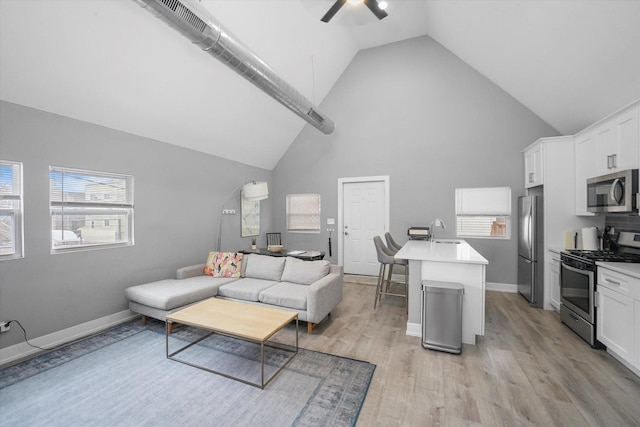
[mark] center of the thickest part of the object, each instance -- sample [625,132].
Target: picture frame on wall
[249,217]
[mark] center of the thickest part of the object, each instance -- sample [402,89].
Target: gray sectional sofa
[311,288]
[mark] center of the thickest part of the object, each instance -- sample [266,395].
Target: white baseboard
[23,350]
[501,287]
[414,329]
[624,362]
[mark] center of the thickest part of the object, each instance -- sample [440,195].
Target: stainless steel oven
[578,277]
[577,296]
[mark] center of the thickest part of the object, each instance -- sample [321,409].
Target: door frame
[341,183]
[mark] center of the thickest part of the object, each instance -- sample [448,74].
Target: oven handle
[578,270]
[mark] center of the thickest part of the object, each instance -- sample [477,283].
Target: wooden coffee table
[239,320]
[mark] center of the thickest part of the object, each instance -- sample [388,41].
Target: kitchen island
[446,260]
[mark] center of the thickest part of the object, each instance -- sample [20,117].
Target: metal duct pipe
[197,24]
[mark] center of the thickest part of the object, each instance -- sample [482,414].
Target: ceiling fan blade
[373,7]
[333,10]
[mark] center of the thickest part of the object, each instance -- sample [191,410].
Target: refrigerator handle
[530,241]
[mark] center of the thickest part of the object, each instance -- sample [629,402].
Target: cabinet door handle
[613,282]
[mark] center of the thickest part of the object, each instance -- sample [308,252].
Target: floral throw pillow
[228,264]
[223,264]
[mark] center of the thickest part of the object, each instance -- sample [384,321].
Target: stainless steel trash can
[442,316]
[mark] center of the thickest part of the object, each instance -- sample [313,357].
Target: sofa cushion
[304,272]
[285,294]
[172,293]
[247,289]
[264,267]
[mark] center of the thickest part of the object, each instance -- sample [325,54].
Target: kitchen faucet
[436,223]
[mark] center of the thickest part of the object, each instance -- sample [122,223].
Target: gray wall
[416,112]
[178,197]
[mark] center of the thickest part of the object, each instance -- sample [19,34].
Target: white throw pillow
[304,272]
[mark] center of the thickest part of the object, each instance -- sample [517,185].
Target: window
[11,229]
[483,212]
[89,209]
[303,213]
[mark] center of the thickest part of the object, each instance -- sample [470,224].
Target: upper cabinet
[533,175]
[617,142]
[611,145]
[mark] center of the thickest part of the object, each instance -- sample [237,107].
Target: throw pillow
[210,264]
[223,264]
[304,272]
[227,264]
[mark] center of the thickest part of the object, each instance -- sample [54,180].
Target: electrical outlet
[4,326]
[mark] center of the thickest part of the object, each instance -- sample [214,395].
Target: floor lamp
[253,191]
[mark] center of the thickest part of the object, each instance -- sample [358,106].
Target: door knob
[346,234]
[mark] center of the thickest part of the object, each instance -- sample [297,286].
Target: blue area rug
[122,378]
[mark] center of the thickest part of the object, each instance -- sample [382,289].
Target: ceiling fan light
[354,2]
[382,5]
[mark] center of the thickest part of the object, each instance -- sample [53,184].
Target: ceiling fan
[371,4]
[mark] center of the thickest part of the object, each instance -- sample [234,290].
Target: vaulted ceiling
[114,64]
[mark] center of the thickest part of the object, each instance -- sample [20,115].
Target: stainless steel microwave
[613,193]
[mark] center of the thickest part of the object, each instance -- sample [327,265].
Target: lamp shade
[255,190]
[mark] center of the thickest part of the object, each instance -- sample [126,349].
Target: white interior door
[364,215]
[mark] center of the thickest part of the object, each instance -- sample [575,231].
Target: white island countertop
[446,260]
[441,250]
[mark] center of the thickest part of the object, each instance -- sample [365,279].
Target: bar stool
[395,247]
[391,244]
[387,262]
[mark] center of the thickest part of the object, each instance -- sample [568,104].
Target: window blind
[483,212]
[11,206]
[303,212]
[90,208]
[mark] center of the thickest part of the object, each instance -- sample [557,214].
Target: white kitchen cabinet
[585,168]
[533,169]
[617,324]
[617,142]
[553,264]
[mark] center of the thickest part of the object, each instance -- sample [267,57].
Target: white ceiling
[113,63]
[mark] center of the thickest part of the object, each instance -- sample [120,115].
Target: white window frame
[317,225]
[11,205]
[63,240]
[483,209]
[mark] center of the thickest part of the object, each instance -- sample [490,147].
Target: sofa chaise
[311,288]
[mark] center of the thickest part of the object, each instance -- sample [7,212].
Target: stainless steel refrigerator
[530,250]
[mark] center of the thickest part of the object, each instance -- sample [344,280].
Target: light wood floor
[528,369]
